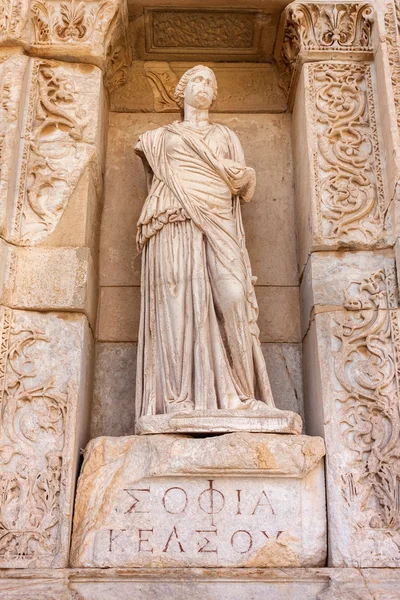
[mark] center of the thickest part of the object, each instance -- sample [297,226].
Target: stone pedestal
[237,500]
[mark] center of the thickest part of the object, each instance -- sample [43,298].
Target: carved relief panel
[340,183]
[40,397]
[359,358]
[60,133]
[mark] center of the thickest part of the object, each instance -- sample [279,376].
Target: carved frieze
[37,435]
[185,33]
[60,135]
[348,187]
[311,30]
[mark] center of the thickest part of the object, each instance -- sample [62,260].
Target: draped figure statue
[199,353]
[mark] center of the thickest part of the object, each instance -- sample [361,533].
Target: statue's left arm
[244,177]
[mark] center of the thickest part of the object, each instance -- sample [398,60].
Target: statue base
[235,500]
[267,420]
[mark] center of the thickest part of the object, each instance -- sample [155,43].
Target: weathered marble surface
[201,584]
[351,364]
[244,87]
[174,501]
[44,367]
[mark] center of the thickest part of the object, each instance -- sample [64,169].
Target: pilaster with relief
[53,114]
[346,231]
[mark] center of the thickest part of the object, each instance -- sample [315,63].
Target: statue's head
[197,87]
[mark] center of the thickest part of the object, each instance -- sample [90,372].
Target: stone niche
[251,103]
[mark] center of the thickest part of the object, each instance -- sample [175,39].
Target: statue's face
[199,91]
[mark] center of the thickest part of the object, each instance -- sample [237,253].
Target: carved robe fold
[198,338]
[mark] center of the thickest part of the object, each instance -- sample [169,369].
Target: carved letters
[367,366]
[347,170]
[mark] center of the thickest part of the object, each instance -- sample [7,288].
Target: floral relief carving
[72,21]
[32,432]
[54,153]
[323,27]
[367,367]
[347,169]
[195,29]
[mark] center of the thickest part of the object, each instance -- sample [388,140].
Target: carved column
[54,59]
[346,229]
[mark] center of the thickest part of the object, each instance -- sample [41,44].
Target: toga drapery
[198,337]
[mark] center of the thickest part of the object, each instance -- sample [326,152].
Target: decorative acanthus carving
[347,168]
[55,151]
[392,26]
[367,367]
[11,18]
[32,431]
[117,63]
[71,21]
[163,82]
[322,27]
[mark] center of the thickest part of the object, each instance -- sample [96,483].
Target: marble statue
[199,354]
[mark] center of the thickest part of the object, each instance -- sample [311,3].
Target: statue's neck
[196,117]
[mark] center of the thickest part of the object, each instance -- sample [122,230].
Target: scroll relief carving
[349,194]
[55,150]
[324,27]
[367,366]
[392,27]
[32,432]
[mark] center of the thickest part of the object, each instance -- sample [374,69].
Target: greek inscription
[173,536]
[144,539]
[206,546]
[136,501]
[175,500]
[263,501]
[113,538]
[242,541]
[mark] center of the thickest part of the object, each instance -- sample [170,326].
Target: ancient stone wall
[312,89]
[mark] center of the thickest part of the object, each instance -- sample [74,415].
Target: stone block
[113,408]
[119,314]
[45,380]
[201,584]
[242,87]
[49,279]
[53,130]
[279,318]
[351,361]
[237,500]
[328,274]
[268,220]
[284,367]
[337,206]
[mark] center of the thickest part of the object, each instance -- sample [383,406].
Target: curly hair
[184,80]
